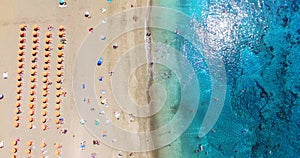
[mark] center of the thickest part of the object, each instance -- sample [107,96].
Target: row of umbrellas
[15,148]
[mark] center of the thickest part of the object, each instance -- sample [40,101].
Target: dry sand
[43,13]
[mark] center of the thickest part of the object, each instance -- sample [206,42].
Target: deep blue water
[259,42]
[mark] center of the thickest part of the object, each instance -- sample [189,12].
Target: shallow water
[259,42]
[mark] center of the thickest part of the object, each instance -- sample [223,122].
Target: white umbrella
[1,144]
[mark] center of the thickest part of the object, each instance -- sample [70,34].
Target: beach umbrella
[44,127]
[48,40]
[17,124]
[14,150]
[60,60]
[34,53]
[61,28]
[35,40]
[31,92]
[19,84]
[58,86]
[43,144]
[44,80]
[44,106]
[33,65]
[20,71]
[32,79]
[60,46]
[59,73]
[18,90]
[35,46]
[31,112]
[44,113]
[31,105]
[60,54]
[21,46]
[57,93]
[57,121]
[47,54]
[61,34]
[18,104]
[45,100]
[19,78]
[32,85]
[22,33]
[86,14]
[18,97]
[57,107]
[33,59]
[44,93]
[48,34]
[58,100]
[35,34]
[57,113]
[57,152]
[58,80]
[29,143]
[45,87]
[14,143]
[46,67]
[17,111]
[20,59]
[46,74]
[47,47]
[21,52]
[31,98]
[23,27]
[33,72]
[59,66]
[22,40]
[44,120]
[30,119]
[20,65]
[28,151]
[17,118]
[36,27]
[47,60]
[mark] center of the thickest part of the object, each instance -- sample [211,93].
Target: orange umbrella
[57,93]
[48,40]
[46,67]
[20,52]
[31,112]
[60,46]
[44,120]
[21,46]
[47,54]
[35,46]
[59,66]
[17,124]
[58,86]
[59,73]
[14,150]
[47,47]
[31,98]
[19,84]
[19,78]
[44,127]
[29,143]
[43,144]
[57,121]
[20,59]
[57,100]
[48,34]
[45,87]
[15,142]
[18,104]
[20,71]
[31,92]
[35,40]
[33,53]
[61,28]
[35,34]
[20,65]
[45,93]
[23,26]
[44,80]
[33,65]
[60,60]
[28,151]
[32,72]
[32,79]
[30,126]
[44,113]
[61,34]
[58,80]
[18,97]
[36,28]
[17,118]
[17,111]
[57,113]
[33,59]
[30,119]
[31,105]
[22,40]
[18,90]
[22,33]
[44,106]
[32,85]
[60,54]
[45,100]
[57,107]
[46,74]
[57,152]
[47,60]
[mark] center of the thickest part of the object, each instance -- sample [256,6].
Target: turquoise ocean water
[259,41]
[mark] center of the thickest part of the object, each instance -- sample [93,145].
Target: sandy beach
[59,144]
